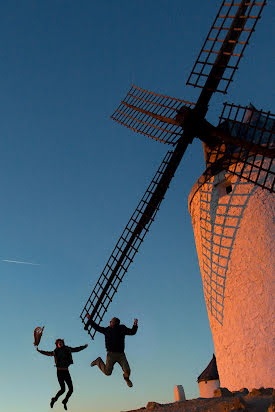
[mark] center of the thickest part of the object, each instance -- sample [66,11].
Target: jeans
[112,358]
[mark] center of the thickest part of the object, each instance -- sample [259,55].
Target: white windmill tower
[233,219]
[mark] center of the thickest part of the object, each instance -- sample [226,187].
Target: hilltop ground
[258,400]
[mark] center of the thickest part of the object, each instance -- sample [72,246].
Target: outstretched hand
[135,322]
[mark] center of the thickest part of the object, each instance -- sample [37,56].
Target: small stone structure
[179,393]
[209,380]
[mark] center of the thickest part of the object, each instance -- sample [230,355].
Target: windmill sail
[132,237]
[225,44]
[150,114]
[250,126]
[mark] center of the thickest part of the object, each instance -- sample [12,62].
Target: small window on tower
[228,189]
[224,187]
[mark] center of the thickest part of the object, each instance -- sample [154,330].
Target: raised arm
[94,325]
[45,352]
[133,330]
[78,348]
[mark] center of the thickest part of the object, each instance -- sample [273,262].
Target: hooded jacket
[114,336]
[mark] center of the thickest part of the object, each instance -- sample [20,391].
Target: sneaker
[129,383]
[95,362]
[52,402]
[65,405]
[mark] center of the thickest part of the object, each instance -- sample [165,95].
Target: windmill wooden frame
[237,138]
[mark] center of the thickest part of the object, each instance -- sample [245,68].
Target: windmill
[242,145]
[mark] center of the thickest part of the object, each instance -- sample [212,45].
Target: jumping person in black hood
[63,359]
[115,343]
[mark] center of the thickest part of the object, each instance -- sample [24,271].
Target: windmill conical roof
[210,372]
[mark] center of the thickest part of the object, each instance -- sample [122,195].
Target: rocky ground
[258,400]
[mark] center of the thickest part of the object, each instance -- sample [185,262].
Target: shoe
[95,362]
[129,383]
[52,402]
[65,405]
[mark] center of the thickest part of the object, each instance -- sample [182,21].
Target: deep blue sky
[71,177]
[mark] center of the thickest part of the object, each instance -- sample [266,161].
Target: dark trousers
[63,377]
[112,358]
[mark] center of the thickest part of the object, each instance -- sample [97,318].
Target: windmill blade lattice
[132,237]
[225,44]
[134,112]
[251,126]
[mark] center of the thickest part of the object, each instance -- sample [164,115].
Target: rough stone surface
[240,404]
[153,405]
[222,392]
[242,391]
[236,403]
[260,392]
[234,236]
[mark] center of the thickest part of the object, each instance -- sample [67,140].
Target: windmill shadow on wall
[239,147]
[224,198]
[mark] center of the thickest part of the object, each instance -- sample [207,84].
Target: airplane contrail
[20,262]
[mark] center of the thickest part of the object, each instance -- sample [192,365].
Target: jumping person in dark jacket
[115,343]
[63,359]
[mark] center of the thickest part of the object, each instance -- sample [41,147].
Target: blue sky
[71,177]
